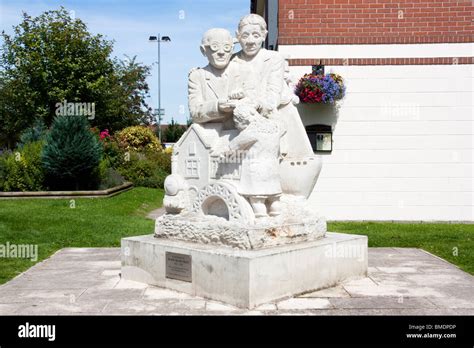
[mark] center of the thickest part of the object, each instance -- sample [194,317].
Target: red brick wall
[375,21]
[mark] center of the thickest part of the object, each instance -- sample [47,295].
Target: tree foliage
[52,58]
[173,132]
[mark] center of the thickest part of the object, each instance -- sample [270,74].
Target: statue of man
[208,87]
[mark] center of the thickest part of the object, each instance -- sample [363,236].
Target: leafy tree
[131,92]
[52,58]
[15,114]
[173,132]
[71,154]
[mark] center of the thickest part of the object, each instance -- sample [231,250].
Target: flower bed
[137,158]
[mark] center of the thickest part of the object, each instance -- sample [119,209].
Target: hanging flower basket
[320,88]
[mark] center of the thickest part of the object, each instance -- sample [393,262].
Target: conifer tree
[71,154]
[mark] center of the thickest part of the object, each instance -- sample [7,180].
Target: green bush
[113,153]
[147,169]
[157,180]
[109,177]
[71,155]
[22,170]
[138,138]
[161,159]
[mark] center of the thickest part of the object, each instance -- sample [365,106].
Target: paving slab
[122,295]
[63,306]
[163,307]
[304,303]
[267,307]
[154,293]
[336,291]
[86,281]
[36,296]
[220,307]
[382,302]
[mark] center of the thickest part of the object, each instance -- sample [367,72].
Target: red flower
[104,134]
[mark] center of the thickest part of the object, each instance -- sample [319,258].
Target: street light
[159,39]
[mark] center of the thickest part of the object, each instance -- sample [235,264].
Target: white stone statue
[241,175]
[237,179]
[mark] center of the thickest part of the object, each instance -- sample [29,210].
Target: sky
[130,23]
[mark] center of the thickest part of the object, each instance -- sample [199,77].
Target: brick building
[402,139]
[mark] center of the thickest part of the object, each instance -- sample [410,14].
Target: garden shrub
[147,169]
[71,155]
[109,177]
[134,154]
[162,159]
[157,180]
[22,170]
[138,138]
[113,153]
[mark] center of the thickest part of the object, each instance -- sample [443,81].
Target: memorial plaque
[178,266]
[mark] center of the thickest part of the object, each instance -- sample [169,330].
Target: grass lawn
[53,224]
[452,242]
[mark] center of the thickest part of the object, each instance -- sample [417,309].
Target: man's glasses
[216,47]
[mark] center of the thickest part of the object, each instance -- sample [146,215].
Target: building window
[320,137]
[192,168]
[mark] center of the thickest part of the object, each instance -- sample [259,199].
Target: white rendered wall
[402,143]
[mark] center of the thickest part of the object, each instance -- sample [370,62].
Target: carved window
[192,168]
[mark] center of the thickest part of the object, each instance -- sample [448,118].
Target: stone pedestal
[244,278]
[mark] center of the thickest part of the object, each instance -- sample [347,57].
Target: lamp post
[158,39]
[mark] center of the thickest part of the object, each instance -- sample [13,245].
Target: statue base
[267,232]
[244,278]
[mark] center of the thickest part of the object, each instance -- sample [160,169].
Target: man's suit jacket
[203,94]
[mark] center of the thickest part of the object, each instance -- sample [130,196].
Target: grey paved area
[87,281]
